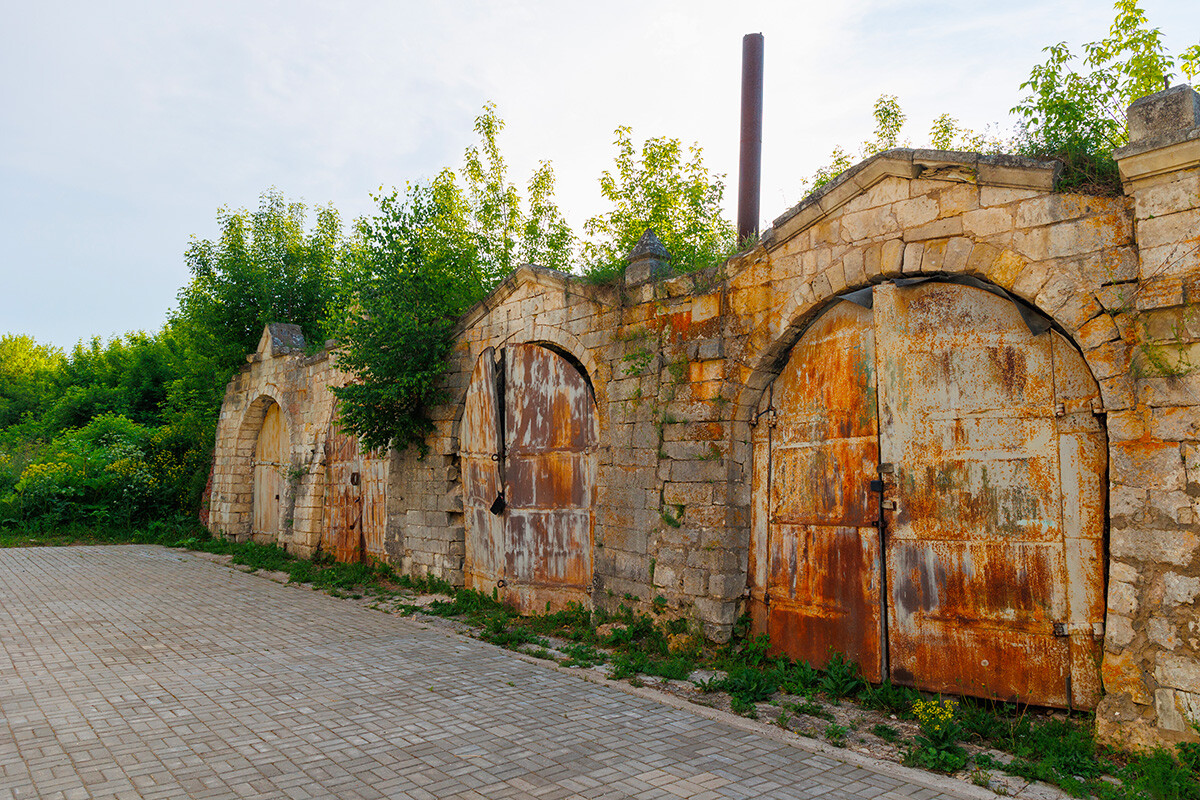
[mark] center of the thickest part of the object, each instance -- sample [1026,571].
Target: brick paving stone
[142,672]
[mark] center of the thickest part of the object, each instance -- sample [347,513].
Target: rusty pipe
[750,157]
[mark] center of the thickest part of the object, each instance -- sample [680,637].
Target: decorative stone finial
[648,260]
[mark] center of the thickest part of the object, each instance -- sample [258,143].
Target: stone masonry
[678,365]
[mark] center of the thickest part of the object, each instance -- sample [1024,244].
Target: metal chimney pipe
[750,161]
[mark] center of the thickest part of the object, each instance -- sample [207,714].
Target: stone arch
[242,467]
[1064,298]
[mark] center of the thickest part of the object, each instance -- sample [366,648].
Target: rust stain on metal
[979,566]
[540,547]
[822,554]
[356,504]
[993,499]
[269,453]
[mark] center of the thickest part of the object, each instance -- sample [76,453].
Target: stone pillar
[1152,645]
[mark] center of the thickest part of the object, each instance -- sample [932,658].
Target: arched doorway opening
[929,498]
[528,453]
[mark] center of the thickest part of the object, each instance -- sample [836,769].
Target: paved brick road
[141,672]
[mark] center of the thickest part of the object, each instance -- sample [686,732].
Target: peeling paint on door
[529,436]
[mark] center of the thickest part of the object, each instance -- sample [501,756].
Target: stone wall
[679,365]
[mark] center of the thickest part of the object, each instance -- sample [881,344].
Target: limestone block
[1157,546]
[987,221]
[1178,672]
[1033,243]
[1122,674]
[1150,464]
[720,612]
[915,211]
[912,257]
[869,224]
[1123,572]
[1176,193]
[695,582]
[726,585]
[1032,278]
[958,252]
[1162,633]
[1179,589]
[999,196]
[1176,424]
[1171,229]
[1122,598]
[1097,331]
[1117,393]
[1118,631]
[938,229]
[883,259]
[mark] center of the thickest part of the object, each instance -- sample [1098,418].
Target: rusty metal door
[356,495]
[991,463]
[480,443]
[822,550]
[529,438]
[980,574]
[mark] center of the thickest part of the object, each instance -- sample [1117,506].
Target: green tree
[29,377]
[419,264]
[509,235]
[264,267]
[414,268]
[664,189]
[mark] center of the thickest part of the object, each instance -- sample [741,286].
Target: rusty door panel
[551,432]
[760,505]
[539,549]
[1083,460]
[821,590]
[268,473]
[992,532]
[480,448]
[356,498]
[980,575]
[825,595]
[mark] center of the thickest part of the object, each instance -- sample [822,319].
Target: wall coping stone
[1003,171]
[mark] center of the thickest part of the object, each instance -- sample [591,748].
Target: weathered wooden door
[991,465]
[268,473]
[356,497]
[822,554]
[529,437]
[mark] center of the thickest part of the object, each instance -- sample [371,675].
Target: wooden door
[268,474]
[356,499]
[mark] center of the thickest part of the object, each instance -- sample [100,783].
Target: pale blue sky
[125,125]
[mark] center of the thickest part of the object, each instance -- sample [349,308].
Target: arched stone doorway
[269,465]
[528,448]
[929,498]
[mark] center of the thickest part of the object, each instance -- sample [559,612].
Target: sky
[125,126]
